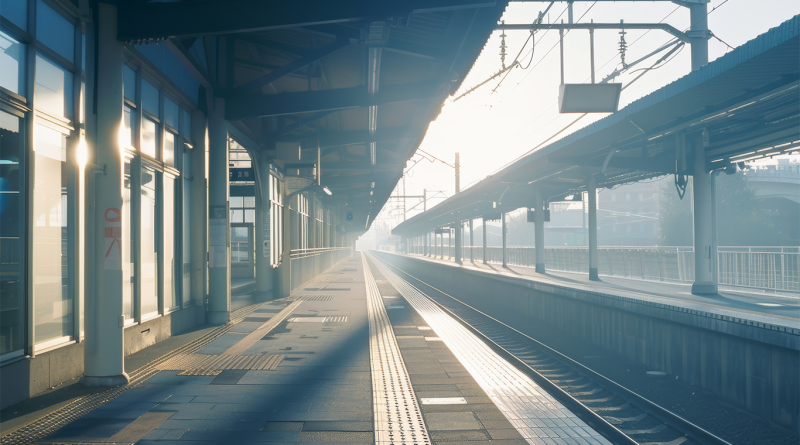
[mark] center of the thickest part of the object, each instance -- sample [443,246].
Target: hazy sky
[490,129]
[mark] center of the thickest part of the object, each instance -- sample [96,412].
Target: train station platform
[344,359]
[780,310]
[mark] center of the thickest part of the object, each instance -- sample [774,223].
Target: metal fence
[765,268]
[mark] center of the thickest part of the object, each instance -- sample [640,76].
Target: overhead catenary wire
[613,58]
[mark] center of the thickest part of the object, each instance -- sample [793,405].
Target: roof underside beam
[143,22]
[238,108]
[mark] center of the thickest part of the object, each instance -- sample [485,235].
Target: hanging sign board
[589,97]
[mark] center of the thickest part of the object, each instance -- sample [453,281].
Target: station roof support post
[592,195]
[538,216]
[104,349]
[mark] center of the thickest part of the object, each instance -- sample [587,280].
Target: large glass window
[129,83]
[168,155]
[54,30]
[170,284]
[149,141]
[53,90]
[187,230]
[276,220]
[12,64]
[12,307]
[51,296]
[150,98]
[127,246]
[128,125]
[243,209]
[16,12]
[148,256]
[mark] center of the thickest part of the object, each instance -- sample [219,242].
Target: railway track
[587,393]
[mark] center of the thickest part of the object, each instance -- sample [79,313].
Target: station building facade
[104,196]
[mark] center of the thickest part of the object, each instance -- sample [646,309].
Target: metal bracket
[96,169]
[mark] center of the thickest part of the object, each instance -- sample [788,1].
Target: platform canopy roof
[743,106]
[344,75]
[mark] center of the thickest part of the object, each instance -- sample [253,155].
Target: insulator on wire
[623,46]
[503,47]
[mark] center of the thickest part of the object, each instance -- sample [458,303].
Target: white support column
[538,218]
[471,240]
[484,240]
[104,351]
[503,232]
[219,255]
[458,253]
[698,33]
[199,209]
[592,192]
[262,229]
[703,244]
[284,271]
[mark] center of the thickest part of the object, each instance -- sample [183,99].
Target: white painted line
[307,319]
[518,397]
[424,328]
[444,401]
[433,339]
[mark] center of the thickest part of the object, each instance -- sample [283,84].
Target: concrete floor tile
[452,421]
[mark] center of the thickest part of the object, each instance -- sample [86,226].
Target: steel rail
[666,416]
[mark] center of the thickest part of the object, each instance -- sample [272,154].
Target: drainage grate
[310,298]
[397,416]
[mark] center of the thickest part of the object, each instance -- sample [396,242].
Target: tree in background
[675,215]
[740,218]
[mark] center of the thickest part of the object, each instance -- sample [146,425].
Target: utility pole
[424,200]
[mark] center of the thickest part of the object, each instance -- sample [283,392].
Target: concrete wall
[752,365]
[60,365]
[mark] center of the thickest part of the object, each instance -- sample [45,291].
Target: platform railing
[309,263]
[301,253]
[763,268]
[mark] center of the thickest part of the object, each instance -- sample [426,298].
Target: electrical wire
[609,61]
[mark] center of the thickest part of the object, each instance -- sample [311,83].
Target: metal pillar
[262,226]
[471,240]
[538,218]
[458,253]
[699,35]
[503,233]
[199,210]
[484,240]
[592,192]
[219,231]
[104,350]
[703,237]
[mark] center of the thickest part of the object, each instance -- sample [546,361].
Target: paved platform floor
[296,370]
[780,306]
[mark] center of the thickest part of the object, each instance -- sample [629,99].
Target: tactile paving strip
[83,405]
[397,416]
[203,364]
[310,298]
[532,411]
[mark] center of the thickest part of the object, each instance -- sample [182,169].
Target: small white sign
[444,401]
